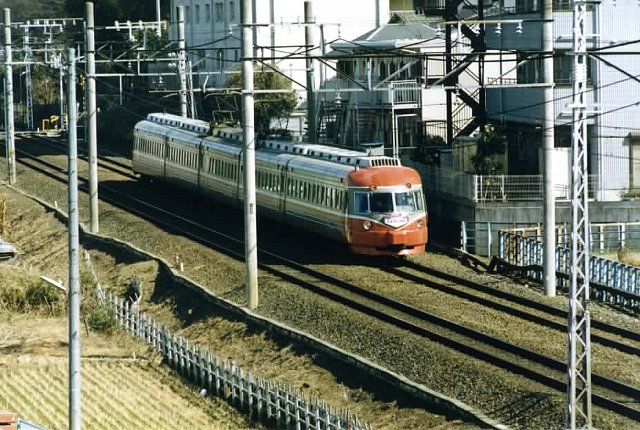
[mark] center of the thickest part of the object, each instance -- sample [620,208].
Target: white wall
[340,19]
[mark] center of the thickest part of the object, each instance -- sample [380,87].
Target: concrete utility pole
[248,131]
[549,239]
[579,322]
[10,141]
[182,63]
[75,378]
[159,29]
[309,19]
[92,124]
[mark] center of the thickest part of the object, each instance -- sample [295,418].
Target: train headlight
[420,223]
[366,225]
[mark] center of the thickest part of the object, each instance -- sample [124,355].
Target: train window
[406,201]
[417,195]
[381,202]
[361,202]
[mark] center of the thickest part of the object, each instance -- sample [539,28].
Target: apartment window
[563,68]
[197,14]
[219,11]
[187,14]
[232,11]
[207,12]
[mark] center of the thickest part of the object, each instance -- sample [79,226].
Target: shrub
[41,295]
[102,319]
[37,296]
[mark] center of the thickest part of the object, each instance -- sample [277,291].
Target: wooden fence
[265,401]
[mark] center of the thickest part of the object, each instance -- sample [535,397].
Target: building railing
[404,92]
[495,188]
[613,282]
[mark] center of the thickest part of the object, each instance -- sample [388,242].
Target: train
[371,203]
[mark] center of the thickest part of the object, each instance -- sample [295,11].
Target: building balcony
[406,94]
[494,188]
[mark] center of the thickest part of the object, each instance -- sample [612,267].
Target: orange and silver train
[371,203]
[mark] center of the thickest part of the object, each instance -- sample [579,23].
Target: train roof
[322,159]
[193,125]
[330,153]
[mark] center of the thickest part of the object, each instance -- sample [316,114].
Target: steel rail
[312,285]
[522,314]
[551,310]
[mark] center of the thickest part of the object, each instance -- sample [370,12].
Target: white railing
[404,92]
[494,188]
[612,282]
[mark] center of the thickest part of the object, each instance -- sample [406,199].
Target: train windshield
[405,201]
[409,201]
[381,202]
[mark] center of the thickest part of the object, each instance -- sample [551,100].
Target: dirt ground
[123,386]
[504,396]
[41,241]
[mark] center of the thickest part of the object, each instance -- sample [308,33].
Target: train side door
[282,195]
[240,179]
[165,155]
[199,163]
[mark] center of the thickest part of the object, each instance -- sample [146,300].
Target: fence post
[463,235]
[489,240]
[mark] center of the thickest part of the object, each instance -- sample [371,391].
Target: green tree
[108,11]
[489,147]
[267,106]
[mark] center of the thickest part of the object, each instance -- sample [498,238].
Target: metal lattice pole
[8,98]
[28,114]
[182,63]
[579,352]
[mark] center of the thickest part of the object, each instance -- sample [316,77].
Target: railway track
[519,306]
[608,393]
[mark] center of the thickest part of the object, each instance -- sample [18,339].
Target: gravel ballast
[506,397]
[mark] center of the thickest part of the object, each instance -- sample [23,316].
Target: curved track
[607,393]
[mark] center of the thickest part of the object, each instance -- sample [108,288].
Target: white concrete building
[614,138]
[213,36]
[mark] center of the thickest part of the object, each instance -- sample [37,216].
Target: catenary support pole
[549,239]
[309,41]
[248,129]
[75,380]
[92,121]
[10,141]
[158,19]
[182,63]
[579,323]
[61,95]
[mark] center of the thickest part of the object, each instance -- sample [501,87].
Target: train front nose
[385,240]
[409,240]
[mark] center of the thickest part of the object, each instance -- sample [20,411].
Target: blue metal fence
[613,282]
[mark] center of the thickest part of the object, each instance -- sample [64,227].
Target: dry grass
[501,394]
[116,394]
[122,385]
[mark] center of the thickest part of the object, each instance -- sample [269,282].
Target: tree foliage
[108,11]
[489,147]
[267,106]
